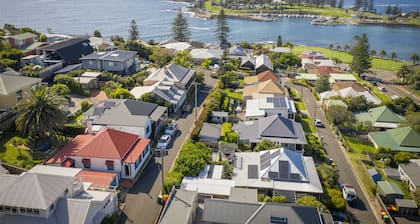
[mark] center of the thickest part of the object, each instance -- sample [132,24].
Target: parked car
[394,97]
[172,129]
[382,88]
[318,123]
[164,142]
[349,194]
[187,108]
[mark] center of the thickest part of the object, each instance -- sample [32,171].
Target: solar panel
[98,110]
[252,171]
[279,102]
[284,169]
[109,104]
[270,99]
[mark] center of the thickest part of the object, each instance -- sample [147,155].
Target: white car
[394,97]
[318,123]
[164,142]
[382,88]
[172,129]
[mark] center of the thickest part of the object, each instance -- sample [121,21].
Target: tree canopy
[265,144]
[311,201]
[322,84]
[133,32]
[222,30]
[192,159]
[361,58]
[181,31]
[183,58]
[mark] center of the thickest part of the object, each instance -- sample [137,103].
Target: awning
[109,162]
[86,161]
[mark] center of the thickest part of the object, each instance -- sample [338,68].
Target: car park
[164,142]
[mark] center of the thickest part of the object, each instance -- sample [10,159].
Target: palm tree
[403,72]
[346,47]
[415,58]
[393,55]
[41,114]
[372,52]
[338,47]
[382,53]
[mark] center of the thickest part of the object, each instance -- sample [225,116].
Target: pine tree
[279,41]
[357,4]
[133,31]
[395,10]
[222,29]
[360,51]
[388,10]
[340,4]
[333,3]
[180,29]
[96,33]
[372,5]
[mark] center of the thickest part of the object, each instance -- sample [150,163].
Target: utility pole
[301,93]
[315,113]
[195,107]
[161,168]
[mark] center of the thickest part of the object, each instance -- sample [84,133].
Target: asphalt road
[360,212]
[141,205]
[392,89]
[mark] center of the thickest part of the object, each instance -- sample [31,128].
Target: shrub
[172,179]
[279,199]
[85,105]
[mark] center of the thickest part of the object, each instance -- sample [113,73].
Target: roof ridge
[38,184]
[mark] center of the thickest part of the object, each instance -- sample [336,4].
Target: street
[360,212]
[141,201]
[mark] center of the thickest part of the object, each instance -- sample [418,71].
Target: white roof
[207,186]
[328,94]
[55,170]
[256,107]
[84,80]
[138,91]
[178,46]
[281,50]
[324,62]
[341,77]
[216,173]
[350,92]
[91,74]
[263,60]
[202,53]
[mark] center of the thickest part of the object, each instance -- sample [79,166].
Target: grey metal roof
[13,83]
[292,213]
[392,173]
[243,195]
[210,132]
[236,51]
[70,50]
[224,211]
[32,190]
[272,127]
[64,44]
[372,172]
[412,171]
[68,68]
[405,203]
[3,170]
[180,207]
[71,211]
[180,73]
[117,55]
[247,59]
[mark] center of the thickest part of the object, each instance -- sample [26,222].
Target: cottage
[397,139]
[236,51]
[282,131]
[263,107]
[392,173]
[410,174]
[350,92]
[338,85]
[263,89]
[99,44]
[140,118]
[67,52]
[262,77]
[281,170]
[199,55]
[177,46]
[341,77]
[328,103]
[119,61]
[307,77]
[14,89]
[380,117]
[89,80]
[263,63]
[248,62]
[389,191]
[210,134]
[328,94]
[21,40]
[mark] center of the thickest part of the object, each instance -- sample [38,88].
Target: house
[166,90]
[410,174]
[328,94]
[212,172]
[201,54]
[22,40]
[236,51]
[210,134]
[14,89]
[392,173]
[397,139]
[182,77]
[263,89]
[306,76]
[119,61]
[280,170]
[137,117]
[36,197]
[324,70]
[263,63]
[177,46]
[406,207]
[99,44]
[31,60]
[345,84]
[68,69]
[109,150]
[328,103]
[234,212]
[350,92]
[219,117]
[89,80]
[262,77]
[282,131]
[312,55]
[208,187]
[263,107]
[373,173]
[180,208]
[313,64]
[341,77]
[67,52]
[248,62]
[281,50]
[380,117]
[389,191]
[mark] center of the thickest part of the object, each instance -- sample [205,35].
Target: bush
[279,199]
[85,105]
[73,129]
[172,179]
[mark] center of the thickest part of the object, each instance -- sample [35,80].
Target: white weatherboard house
[284,171]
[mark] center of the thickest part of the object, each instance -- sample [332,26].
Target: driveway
[360,212]
[141,201]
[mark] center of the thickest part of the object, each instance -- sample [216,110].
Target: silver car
[164,142]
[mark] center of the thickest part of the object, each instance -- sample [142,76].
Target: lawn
[362,173]
[378,63]
[15,155]
[359,146]
[233,95]
[381,96]
[300,105]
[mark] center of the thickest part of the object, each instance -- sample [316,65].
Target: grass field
[359,146]
[363,175]
[15,155]
[378,63]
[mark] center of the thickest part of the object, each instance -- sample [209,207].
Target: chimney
[89,125]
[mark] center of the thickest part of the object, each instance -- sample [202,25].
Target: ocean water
[154,18]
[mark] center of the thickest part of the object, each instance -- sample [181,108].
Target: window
[19,95]
[52,207]
[1,208]
[109,164]
[90,62]
[36,211]
[137,163]
[86,163]
[147,130]
[111,64]
[14,210]
[7,209]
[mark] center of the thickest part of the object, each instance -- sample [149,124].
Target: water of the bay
[154,18]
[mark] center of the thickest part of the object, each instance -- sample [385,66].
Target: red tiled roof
[268,75]
[326,70]
[108,143]
[137,150]
[71,148]
[97,178]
